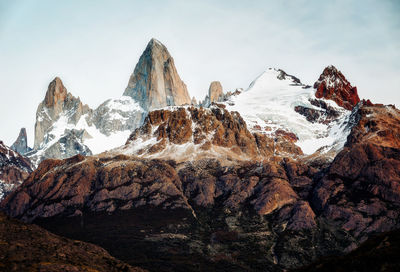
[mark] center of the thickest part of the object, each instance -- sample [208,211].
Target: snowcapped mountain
[66,127]
[277,103]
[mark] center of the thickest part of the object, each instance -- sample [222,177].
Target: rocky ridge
[26,247]
[191,133]
[333,85]
[288,212]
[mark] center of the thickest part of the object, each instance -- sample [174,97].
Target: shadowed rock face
[334,86]
[30,248]
[202,214]
[14,169]
[155,83]
[21,144]
[378,253]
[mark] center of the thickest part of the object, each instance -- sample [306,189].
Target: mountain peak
[155,82]
[215,92]
[21,144]
[154,42]
[56,93]
[333,85]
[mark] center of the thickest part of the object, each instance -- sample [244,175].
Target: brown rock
[334,86]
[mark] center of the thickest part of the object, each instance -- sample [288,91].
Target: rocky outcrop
[14,169]
[192,133]
[379,253]
[57,103]
[334,86]
[289,213]
[323,114]
[361,189]
[115,115]
[66,127]
[155,83]
[215,94]
[21,144]
[30,248]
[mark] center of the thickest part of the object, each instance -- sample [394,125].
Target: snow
[97,142]
[270,102]
[6,187]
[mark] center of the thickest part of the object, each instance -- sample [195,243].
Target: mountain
[206,213]
[190,133]
[155,83]
[26,247]
[14,169]
[65,126]
[21,143]
[277,103]
[333,85]
[270,178]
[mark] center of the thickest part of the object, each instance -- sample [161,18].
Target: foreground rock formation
[155,83]
[30,248]
[168,216]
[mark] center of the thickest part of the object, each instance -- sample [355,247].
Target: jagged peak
[21,143]
[56,92]
[333,85]
[155,82]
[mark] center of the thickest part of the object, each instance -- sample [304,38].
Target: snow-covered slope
[107,127]
[268,105]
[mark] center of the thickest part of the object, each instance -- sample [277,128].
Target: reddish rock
[334,86]
[207,128]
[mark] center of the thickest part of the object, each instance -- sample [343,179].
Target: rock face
[188,133]
[21,144]
[277,103]
[30,248]
[215,94]
[334,86]
[66,127]
[155,83]
[378,253]
[14,169]
[57,103]
[203,214]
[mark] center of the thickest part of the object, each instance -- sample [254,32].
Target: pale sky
[93,46]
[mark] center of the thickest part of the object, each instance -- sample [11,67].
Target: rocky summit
[155,83]
[279,176]
[334,86]
[21,144]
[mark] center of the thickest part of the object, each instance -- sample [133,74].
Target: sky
[93,46]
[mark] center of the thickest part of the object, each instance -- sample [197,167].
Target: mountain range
[268,178]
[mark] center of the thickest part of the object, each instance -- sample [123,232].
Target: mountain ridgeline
[271,178]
